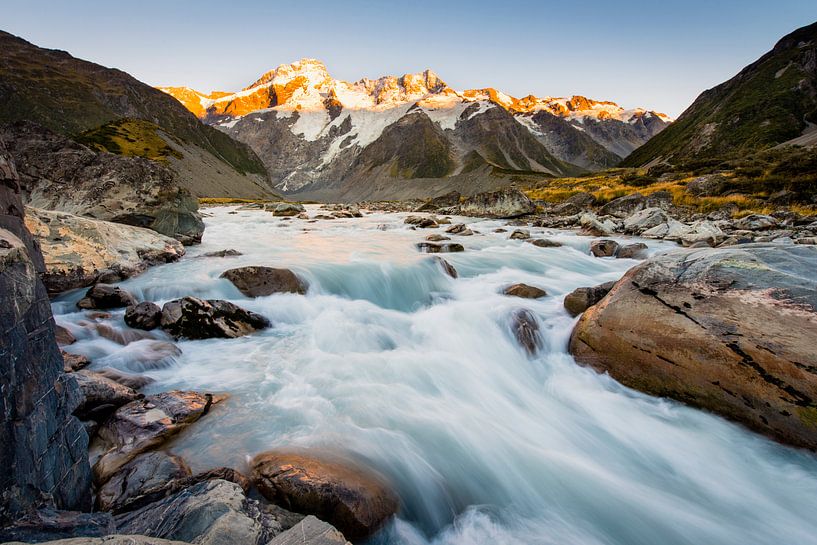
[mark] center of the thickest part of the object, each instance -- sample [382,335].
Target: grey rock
[710,185]
[505,203]
[100,395]
[113,539]
[756,222]
[286,209]
[637,250]
[48,524]
[525,328]
[139,478]
[447,267]
[310,531]
[645,219]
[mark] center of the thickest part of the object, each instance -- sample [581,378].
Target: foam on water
[391,361]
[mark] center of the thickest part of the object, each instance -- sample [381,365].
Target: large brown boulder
[105,296]
[728,330]
[355,500]
[263,281]
[505,203]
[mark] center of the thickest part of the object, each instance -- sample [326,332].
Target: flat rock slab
[310,531]
[355,500]
[145,424]
[729,330]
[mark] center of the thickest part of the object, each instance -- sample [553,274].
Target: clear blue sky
[657,54]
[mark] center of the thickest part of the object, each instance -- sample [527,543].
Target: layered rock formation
[43,448]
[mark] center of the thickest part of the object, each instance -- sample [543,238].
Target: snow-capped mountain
[317,133]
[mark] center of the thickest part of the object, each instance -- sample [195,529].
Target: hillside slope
[771,101]
[72,96]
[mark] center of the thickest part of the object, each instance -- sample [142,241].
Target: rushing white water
[391,361]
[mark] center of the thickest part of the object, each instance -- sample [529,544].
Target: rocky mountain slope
[770,102]
[323,137]
[85,101]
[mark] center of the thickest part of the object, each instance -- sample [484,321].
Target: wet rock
[263,281]
[459,229]
[222,253]
[101,396]
[436,237]
[422,222]
[310,531]
[505,203]
[209,513]
[544,243]
[63,336]
[525,291]
[194,318]
[104,296]
[447,267]
[525,328]
[140,478]
[604,248]
[580,299]
[74,362]
[136,382]
[637,250]
[145,315]
[710,185]
[591,225]
[746,318]
[81,251]
[806,240]
[286,209]
[121,336]
[671,230]
[520,234]
[703,231]
[432,248]
[50,524]
[145,424]
[355,500]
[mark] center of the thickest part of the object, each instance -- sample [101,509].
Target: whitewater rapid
[391,361]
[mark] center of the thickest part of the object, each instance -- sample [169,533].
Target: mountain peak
[312,70]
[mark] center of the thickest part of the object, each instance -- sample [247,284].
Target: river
[392,362]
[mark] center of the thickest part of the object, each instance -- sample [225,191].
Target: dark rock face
[525,327]
[354,500]
[263,281]
[49,524]
[580,299]
[194,318]
[525,291]
[105,296]
[209,513]
[43,447]
[145,424]
[146,315]
[746,317]
[505,203]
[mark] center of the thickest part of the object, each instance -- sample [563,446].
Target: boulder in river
[636,250]
[580,299]
[105,296]
[136,382]
[145,315]
[604,248]
[354,500]
[139,478]
[145,424]
[81,251]
[644,219]
[505,203]
[520,234]
[432,248]
[525,328]
[194,318]
[436,237]
[544,243]
[263,281]
[423,222]
[729,330]
[525,291]
[286,209]
[447,267]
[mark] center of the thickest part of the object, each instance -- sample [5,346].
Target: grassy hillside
[769,102]
[72,96]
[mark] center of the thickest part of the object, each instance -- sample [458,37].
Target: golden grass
[130,137]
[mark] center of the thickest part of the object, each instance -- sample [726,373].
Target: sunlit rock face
[313,132]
